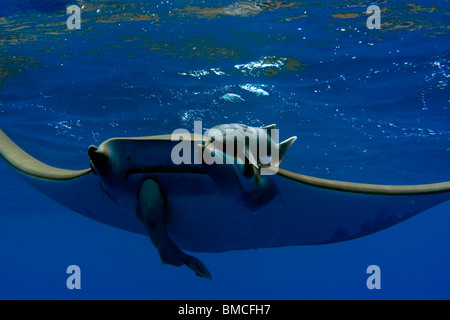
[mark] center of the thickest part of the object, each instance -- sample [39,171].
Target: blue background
[367,105]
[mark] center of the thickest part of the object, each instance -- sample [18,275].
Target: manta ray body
[133,184]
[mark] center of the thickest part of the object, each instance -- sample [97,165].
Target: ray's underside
[305,210]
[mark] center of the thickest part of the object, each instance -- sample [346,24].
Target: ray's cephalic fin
[284,146]
[152,211]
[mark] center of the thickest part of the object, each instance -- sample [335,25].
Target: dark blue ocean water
[367,106]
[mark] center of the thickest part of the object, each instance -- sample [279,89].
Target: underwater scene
[106,194]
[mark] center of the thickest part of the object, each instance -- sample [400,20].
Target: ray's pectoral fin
[152,211]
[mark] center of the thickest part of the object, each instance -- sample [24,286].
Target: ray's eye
[96,156]
[99,160]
